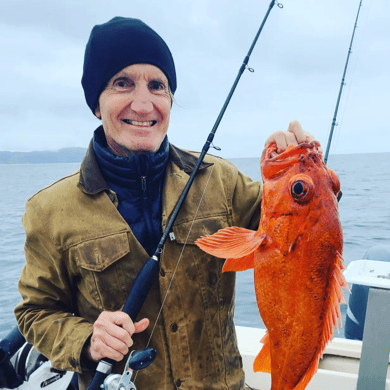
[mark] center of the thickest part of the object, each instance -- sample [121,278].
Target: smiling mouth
[136,123]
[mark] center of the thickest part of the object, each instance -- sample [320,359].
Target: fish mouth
[291,151]
[276,165]
[139,123]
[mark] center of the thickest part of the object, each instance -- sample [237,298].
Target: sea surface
[364,212]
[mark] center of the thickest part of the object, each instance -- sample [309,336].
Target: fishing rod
[149,272]
[334,123]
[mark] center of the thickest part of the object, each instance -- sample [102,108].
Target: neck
[120,150]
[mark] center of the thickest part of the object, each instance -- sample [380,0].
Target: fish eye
[299,189]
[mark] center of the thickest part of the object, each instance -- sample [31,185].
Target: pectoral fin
[240,264]
[236,245]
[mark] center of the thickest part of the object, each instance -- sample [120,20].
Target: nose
[142,100]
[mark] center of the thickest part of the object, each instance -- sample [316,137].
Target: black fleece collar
[92,181]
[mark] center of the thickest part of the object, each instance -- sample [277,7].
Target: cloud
[298,62]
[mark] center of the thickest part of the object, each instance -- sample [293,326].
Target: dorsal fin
[331,318]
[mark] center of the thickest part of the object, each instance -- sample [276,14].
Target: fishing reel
[37,372]
[137,360]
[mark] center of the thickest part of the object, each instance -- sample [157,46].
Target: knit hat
[113,46]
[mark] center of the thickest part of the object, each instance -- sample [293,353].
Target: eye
[122,83]
[156,85]
[301,187]
[300,190]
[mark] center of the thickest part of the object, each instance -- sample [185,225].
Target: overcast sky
[298,61]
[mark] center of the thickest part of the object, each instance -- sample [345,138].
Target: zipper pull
[143,183]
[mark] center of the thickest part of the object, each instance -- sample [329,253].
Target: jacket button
[162,272]
[178,383]
[174,328]
[111,196]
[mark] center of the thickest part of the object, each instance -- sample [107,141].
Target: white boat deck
[338,370]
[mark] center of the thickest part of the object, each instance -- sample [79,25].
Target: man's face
[135,109]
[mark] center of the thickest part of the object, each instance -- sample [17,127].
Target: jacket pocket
[99,253]
[189,232]
[102,281]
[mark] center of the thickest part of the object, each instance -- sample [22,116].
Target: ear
[97,111]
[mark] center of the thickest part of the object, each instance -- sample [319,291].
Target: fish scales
[296,256]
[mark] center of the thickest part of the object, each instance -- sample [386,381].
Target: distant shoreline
[66,155]
[75,155]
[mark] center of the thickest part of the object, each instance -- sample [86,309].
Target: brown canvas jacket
[81,258]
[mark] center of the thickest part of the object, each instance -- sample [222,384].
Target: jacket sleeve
[246,202]
[46,314]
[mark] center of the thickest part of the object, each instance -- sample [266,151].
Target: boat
[347,364]
[360,362]
[338,369]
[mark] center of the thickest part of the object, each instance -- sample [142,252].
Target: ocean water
[364,213]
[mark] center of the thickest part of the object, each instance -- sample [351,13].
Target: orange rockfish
[296,256]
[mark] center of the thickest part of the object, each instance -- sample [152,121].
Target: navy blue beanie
[113,46]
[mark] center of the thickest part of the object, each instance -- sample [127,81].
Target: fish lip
[273,166]
[291,151]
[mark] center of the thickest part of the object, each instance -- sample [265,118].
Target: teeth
[136,123]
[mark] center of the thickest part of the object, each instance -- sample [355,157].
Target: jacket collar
[92,181]
[185,160]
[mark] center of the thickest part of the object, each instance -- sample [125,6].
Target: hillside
[66,155]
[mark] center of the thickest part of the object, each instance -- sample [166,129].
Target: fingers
[141,325]
[294,135]
[112,335]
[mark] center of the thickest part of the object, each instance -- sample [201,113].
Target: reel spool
[37,371]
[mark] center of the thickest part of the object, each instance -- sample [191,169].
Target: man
[88,235]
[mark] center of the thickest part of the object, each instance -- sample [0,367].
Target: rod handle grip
[141,288]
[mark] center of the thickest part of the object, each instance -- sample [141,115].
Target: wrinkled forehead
[141,71]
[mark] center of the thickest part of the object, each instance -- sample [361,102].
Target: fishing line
[182,251]
[148,274]
[178,261]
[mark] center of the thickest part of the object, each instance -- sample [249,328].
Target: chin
[142,148]
[145,147]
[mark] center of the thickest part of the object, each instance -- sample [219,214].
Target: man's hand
[112,335]
[294,135]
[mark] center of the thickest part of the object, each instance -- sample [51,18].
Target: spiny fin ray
[332,318]
[232,242]
[263,359]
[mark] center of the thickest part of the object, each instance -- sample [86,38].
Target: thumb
[140,326]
